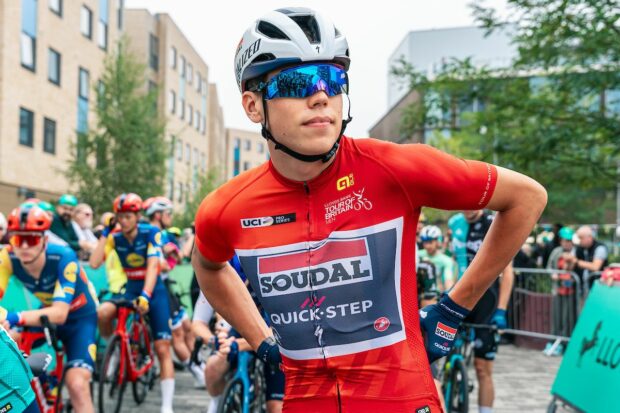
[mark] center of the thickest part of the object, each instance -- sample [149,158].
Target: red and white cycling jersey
[332,261]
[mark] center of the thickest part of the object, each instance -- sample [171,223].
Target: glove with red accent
[439,324]
[269,352]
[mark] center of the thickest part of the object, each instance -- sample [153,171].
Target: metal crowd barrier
[544,305]
[589,280]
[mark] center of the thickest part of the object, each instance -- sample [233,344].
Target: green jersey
[15,391]
[443,264]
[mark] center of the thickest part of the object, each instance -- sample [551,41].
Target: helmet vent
[309,26]
[264,57]
[337,32]
[271,31]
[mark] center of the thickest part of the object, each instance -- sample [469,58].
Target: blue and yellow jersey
[62,280]
[134,255]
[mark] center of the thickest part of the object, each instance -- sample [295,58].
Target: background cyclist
[53,274]
[138,246]
[472,227]
[159,213]
[431,237]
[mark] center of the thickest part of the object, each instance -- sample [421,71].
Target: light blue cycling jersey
[16,394]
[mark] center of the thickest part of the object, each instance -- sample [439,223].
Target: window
[119,14]
[84,84]
[180,191]
[172,102]
[28,48]
[182,66]
[198,81]
[204,125]
[26,127]
[53,69]
[179,150]
[173,57]
[28,39]
[182,107]
[204,88]
[86,22]
[203,161]
[49,136]
[247,145]
[188,153]
[190,73]
[186,192]
[102,29]
[197,120]
[246,165]
[260,147]
[170,189]
[56,7]
[153,52]
[196,159]
[190,115]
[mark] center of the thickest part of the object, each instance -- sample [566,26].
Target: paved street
[523,379]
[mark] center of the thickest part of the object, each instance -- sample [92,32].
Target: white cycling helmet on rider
[430,233]
[284,37]
[156,204]
[287,36]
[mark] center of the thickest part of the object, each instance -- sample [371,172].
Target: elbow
[60,317]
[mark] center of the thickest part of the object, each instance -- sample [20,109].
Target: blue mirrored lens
[304,81]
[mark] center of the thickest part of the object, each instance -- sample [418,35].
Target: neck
[131,234]
[35,267]
[294,169]
[156,224]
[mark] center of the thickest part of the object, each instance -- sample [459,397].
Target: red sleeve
[436,179]
[210,238]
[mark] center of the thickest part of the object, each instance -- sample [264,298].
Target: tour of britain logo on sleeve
[268,221]
[355,201]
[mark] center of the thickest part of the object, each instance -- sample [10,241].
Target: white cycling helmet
[287,36]
[430,233]
[2,222]
[156,204]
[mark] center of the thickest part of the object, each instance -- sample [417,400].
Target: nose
[320,98]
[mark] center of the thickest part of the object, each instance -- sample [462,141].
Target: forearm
[505,287]
[519,201]
[98,255]
[57,314]
[201,330]
[152,271]
[243,344]
[590,266]
[228,295]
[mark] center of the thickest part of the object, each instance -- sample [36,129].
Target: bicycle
[49,387]
[456,383]
[245,391]
[128,358]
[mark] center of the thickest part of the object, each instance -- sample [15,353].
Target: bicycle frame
[244,358]
[121,330]
[26,344]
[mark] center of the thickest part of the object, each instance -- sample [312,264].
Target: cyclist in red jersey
[325,232]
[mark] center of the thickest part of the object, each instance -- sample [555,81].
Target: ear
[253,106]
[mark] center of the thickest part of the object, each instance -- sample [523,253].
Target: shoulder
[456,219]
[60,252]
[215,203]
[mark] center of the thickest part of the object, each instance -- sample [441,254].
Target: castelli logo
[382,324]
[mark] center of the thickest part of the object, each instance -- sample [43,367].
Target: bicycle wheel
[62,404]
[258,390]
[141,355]
[457,400]
[112,379]
[232,398]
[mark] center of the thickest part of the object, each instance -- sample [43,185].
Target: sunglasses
[305,81]
[31,240]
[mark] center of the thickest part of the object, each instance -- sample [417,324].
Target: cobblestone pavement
[523,379]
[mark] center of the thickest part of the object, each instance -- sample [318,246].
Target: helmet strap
[324,157]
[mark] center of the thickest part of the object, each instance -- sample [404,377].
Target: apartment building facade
[51,52]
[244,150]
[181,76]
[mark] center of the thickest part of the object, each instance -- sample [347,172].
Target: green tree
[206,184]
[553,114]
[126,151]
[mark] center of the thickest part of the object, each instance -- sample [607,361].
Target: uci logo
[256,222]
[344,182]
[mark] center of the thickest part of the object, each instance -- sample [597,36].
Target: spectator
[61,225]
[51,237]
[3,235]
[553,244]
[590,256]
[421,223]
[524,259]
[564,310]
[82,225]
